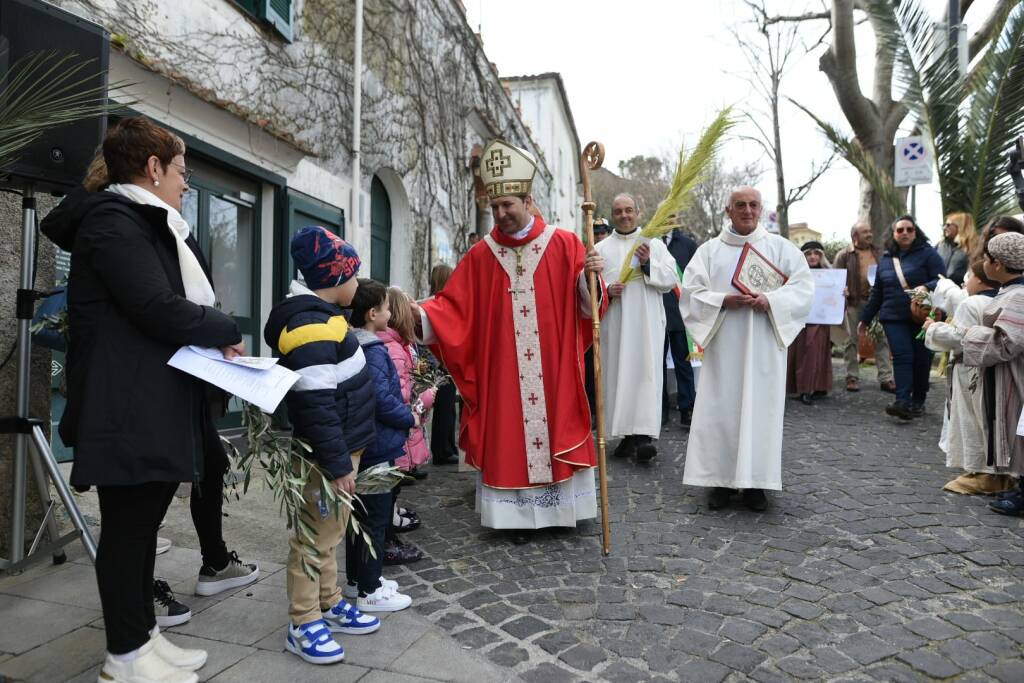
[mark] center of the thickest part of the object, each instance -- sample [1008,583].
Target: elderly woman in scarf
[809,373]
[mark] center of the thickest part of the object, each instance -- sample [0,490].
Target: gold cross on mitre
[506,170]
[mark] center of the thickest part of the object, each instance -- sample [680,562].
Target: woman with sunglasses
[909,262]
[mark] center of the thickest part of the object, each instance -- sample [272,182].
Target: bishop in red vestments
[512,326]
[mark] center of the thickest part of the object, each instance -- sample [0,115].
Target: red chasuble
[514,345]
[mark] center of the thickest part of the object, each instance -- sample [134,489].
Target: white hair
[746,188]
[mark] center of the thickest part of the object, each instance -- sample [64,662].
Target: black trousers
[375,517]
[129,518]
[676,341]
[207,500]
[442,428]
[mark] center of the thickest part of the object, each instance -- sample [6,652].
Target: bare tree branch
[810,16]
[817,170]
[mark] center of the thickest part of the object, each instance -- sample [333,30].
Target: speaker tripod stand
[30,443]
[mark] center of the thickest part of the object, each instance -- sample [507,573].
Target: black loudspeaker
[59,158]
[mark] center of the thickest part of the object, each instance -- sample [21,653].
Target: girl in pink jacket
[399,339]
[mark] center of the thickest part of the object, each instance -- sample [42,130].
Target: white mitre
[506,170]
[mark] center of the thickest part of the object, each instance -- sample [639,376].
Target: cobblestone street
[862,568]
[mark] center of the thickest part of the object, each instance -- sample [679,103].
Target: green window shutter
[278,13]
[249,6]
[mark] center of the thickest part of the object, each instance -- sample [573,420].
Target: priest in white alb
[633,333]
[511,326]
[736,436]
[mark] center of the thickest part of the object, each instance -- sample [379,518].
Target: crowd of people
[512,326]
[956,299]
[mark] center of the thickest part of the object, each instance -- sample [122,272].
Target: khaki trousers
[308,599]
[883,358]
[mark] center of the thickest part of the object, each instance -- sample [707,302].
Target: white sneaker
[162,545]
[190,660]
[148,667]
[351,590]
[383,599]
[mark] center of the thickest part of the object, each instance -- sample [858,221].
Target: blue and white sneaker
[345,618]
[314,643]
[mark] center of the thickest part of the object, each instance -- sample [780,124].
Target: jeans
[911,361]
[375,517]
[676,341]
[125,557]
[207,501]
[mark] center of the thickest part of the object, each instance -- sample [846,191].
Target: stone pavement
[862,569]
[52,631]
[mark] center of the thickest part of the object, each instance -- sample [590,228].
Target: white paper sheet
[262,387]
[829,303]
[254,362]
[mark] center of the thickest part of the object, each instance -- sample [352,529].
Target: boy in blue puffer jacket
[331,407]
[394,419]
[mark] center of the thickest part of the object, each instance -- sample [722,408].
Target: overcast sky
[645,75]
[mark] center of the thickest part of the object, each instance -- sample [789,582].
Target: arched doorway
[380,232]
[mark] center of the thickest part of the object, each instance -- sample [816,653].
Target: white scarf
[197,286]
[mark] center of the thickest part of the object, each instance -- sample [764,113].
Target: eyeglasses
[186,173]
[900,231]
[744,205]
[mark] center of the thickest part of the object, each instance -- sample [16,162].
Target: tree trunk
[782,209]
[874,121]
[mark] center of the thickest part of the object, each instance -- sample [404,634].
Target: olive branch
[288,469]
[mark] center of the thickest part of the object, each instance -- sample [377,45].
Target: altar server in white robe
[633,334]
[736,437]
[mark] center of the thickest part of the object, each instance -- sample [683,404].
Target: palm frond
[45,90]
[850,149]
[995,120]
[691,170]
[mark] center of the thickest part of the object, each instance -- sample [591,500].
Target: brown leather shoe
[852,384]
[888,387]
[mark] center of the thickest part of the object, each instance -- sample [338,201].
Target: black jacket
[130,417]
[332,405]
[682,248]
[921,265]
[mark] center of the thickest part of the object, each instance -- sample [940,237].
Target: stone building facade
[544,106]
[261,91]
[265,101]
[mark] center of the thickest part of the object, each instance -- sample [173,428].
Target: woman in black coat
[137,292]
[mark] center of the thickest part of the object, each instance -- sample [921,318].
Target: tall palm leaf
[996,119]
[44,90]
[691,171]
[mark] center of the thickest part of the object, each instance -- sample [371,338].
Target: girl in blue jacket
[393,420]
